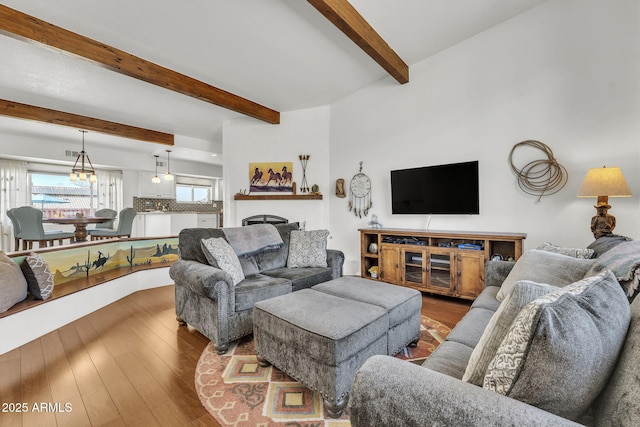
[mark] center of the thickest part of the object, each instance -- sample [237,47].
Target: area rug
[237,391]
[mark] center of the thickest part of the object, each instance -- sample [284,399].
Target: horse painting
[271,177]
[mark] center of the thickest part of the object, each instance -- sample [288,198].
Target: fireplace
[264,219]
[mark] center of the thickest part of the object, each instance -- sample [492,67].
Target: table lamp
[603,183]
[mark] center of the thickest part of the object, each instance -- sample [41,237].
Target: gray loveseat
[388,391]
[208,300]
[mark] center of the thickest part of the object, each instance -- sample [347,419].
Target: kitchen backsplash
[142,204]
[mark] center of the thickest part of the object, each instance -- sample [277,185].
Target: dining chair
[106,213]
[31,229]
[16,228]
[125,223]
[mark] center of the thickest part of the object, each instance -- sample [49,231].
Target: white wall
[566,73]
[249,141]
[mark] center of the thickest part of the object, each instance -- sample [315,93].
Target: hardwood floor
[126,364]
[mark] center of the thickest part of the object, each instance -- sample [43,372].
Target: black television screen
[441,189]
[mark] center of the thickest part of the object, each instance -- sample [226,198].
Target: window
[193,193]
[58,197]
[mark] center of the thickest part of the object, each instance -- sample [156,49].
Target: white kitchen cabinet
[162,190]
[207,221]
[181,221]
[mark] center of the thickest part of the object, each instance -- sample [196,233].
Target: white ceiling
[282,54]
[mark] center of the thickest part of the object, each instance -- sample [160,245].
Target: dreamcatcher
[360,197]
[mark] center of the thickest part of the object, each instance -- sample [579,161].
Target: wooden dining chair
[32,230]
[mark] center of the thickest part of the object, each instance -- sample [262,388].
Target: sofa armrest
[496,271]
[389,391]
[203,279]
[335,260]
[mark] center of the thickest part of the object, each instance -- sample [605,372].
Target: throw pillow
[544,267]
[308,248]
[624,262]
[13,286]
[38,276]
[562,347]
[221,255]
[574,252]
[523,293]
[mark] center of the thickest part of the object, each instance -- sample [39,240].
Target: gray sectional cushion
[13,286]
[301,278]
[523,293]
[562,347]
[545,267]
[38,276]
[308,248]
[619,402]
[449,358]
[469,330]
[487,299]
[220,254]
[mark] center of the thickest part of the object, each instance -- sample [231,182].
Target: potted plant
[374,271]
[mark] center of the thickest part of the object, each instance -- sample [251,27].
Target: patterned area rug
[238,392]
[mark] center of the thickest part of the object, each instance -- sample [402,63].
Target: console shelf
[435,261]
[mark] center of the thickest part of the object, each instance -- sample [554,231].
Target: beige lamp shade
[608,182]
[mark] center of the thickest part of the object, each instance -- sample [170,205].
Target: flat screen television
[442,189]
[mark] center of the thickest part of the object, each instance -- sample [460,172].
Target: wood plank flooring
[126,364]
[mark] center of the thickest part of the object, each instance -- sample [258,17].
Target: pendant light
[168,176]
[155,179]
[80,173]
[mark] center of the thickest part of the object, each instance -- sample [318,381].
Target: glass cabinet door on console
[414,267]
[441,270]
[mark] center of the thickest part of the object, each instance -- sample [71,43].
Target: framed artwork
[271,177]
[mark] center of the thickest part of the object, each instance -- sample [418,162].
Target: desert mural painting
[273,177]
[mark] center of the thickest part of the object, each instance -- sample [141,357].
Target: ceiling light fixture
[168,176]
[155,179]
[84,170]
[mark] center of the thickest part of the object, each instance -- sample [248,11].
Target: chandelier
[86,168]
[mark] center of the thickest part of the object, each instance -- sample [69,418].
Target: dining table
[80,223]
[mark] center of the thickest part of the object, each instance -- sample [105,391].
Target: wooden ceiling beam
[31,112]
[17,24]
[344,16]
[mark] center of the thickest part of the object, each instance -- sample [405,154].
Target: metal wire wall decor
[539,177]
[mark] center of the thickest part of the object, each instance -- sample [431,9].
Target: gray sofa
[389,391]
[208,300]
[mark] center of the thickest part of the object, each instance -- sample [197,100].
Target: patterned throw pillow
[523,293]
[38,275]
[220,254]
[562,347]
[13,286]
[544,267]
[574,252]
[308,248]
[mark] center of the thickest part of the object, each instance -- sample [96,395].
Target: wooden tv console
[434,261]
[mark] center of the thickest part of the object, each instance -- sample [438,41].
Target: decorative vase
[373,248]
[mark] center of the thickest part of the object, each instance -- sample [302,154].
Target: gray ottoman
[320,340]
[402,304]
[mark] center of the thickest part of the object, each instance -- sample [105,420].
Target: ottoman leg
[335,410]
[180,321]
[414,343]
[262,361]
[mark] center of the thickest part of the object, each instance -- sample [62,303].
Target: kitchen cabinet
[182,221]
[207,221]
[162,190]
